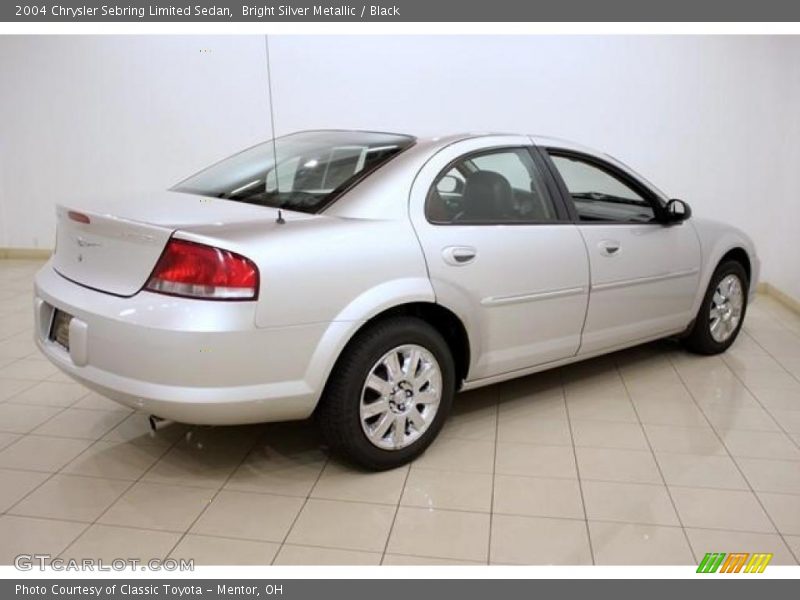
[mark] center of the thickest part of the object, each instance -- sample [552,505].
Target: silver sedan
[365,278]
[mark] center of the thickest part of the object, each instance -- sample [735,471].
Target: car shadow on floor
[287,457]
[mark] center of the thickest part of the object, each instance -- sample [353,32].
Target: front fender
[716,240]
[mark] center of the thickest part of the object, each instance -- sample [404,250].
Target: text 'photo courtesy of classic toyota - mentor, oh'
[365,278]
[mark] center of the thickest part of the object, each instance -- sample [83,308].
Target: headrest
[487,195]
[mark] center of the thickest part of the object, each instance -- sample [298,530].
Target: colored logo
[736,562]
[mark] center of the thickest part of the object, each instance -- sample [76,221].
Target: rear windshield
[313,168]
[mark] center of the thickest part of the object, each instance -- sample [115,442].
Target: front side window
[303,171]
[501,186]
[599,195]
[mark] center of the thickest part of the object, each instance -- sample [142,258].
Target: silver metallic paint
[324,276]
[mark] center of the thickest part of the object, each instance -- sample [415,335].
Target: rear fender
[352,318]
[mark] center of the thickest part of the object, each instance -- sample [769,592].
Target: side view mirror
[677,211]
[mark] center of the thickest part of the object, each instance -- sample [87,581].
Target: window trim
[635,184]
[563,215]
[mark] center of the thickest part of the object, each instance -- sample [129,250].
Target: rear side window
[600,195]
[495,187]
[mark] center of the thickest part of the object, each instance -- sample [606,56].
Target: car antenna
[280,220]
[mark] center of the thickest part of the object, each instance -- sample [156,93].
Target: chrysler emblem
[86,244]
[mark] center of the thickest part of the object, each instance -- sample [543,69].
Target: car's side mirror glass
[677,211]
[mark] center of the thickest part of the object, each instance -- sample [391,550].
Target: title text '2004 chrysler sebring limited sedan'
[366,277]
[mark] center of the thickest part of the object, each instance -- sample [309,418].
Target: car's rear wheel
[389,394]
[722,312]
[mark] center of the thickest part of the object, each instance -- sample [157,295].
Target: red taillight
[200,271]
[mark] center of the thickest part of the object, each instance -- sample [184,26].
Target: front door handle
[609,247]
[459,255]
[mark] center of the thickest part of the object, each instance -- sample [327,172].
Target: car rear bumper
[188,360]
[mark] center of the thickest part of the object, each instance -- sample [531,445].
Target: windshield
[313,168]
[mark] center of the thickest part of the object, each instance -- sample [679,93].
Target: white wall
[780,234]
[712,120]
[99,115]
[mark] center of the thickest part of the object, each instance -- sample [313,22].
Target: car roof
[554,142]
[434,143]
[539,140]
[445,139]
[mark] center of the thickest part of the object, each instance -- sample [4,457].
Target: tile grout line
[396,511]
[70,407]
[302,507]
[217,492]
[125,491]
[764,408]
[33,384]
[494,476]
[778,320]
[755,396]
[463,439]
[577,470]
[374,503]
[60,472]
[247,539]
[307,497]
[736,464]
[10,401]
[777,360]
[792,439]
[52,474]
[655,459]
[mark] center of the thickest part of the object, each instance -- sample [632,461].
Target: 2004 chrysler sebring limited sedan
[366,277]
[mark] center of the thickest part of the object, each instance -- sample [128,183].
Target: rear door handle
[459,255]
[609,247]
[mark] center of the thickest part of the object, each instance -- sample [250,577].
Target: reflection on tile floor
[648,456]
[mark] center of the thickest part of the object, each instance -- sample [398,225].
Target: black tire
[699,339]
[338,411]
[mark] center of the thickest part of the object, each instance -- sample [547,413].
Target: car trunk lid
[116,249]
[110,254]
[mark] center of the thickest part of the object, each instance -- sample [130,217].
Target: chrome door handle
[459,255]
[609,247]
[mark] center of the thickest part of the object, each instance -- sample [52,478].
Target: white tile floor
[647,456]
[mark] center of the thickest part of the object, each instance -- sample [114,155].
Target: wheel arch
[441,318]
[720,242]
[738,254]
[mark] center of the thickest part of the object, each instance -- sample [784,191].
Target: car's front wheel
[389,393]
[722,312]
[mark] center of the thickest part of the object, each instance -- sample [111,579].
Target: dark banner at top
[311,11]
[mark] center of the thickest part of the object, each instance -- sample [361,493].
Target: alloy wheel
[400,397]
[726,308]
